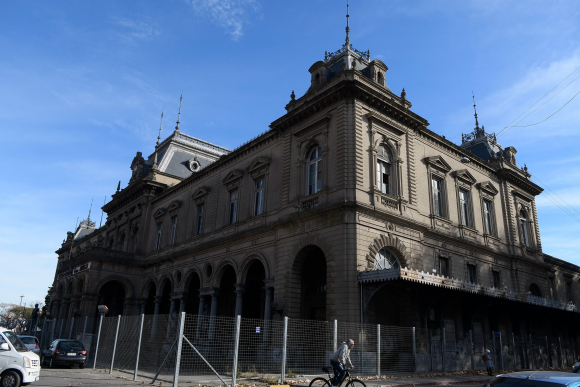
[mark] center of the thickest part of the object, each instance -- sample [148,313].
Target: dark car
[576,368]
[535,379]
[64,352]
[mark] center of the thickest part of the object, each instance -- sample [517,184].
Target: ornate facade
[348,207]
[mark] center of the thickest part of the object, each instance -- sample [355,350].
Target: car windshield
[16,342]
[516,382]
[28,340]
[70,346]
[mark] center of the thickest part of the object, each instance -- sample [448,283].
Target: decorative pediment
[200,195]
[437,162]
[159,214]
[233,179]
[488,188]
[465,176]
[174,207]
[259,166]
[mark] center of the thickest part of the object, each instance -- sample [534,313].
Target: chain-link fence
[201,349]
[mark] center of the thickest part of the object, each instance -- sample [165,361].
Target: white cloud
[232,15]
[130,30]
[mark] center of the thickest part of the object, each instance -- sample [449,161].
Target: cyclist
[339,361]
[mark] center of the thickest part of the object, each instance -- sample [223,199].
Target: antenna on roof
[347,27]
[476,123]
[179,113]
[105,202]
[158,138]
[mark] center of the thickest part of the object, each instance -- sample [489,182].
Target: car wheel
[10,379]
[50,365]
[42,360]
[81,366]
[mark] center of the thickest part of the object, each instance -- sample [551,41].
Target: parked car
[18,365]
[535,379]
[576,368]
[64,352]
[31,343]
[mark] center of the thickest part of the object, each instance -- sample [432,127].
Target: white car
[18,365]
[31,343]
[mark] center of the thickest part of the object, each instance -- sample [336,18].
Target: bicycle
[322,382]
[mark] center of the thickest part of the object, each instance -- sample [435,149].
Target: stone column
[200,316]
[155,317]
[269,286]
[143,306]
[240,290]
[213,313]
[172,311]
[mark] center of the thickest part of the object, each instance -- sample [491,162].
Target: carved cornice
[519,181]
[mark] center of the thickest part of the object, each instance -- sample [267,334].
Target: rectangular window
[471,273]
[200,211]
[158,237]
[495,275]
[384,177]
[464,207]
[259,199]
[524,227]
[233,207]
[173,230]
[488,217]
[444,267]
[437,188]
[569,291]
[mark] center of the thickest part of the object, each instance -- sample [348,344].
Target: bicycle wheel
[320,382]
[356,383]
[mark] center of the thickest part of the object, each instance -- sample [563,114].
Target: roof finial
[119,186]
[347,27]
[179,113]
[157,145]
[476,122]
[89,217]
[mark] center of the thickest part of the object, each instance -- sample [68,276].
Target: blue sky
[82,85]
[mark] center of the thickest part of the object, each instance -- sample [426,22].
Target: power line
[539,181]
[550,116]
[508,125]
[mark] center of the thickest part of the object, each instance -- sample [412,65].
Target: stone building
[348,207]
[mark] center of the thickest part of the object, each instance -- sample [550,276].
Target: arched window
[314,171]
[524,228]
[384,171]
[385,259]
[535,290]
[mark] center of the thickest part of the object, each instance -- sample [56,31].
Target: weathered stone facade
[294,222]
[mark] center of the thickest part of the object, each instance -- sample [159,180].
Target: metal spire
[89,217]
[179,113]
[105,202]
[476,123]
[157,145]
[347,27]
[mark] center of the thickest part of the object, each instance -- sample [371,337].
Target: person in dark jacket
[339,360]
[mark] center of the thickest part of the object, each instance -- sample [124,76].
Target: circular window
[385,259]
[178,277]
[208,270]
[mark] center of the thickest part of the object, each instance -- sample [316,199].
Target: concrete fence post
[98,338]
[561,352]
[284,343]
[85,328]
[335,337]
[115,344]
[501,352]
[378,350]
[514,362]
[494,348]
[179,348]
[444,350]
[72,323]
[532,361]
[60,328]
[414,352]
[471,349]
[139,346]
[236,347]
